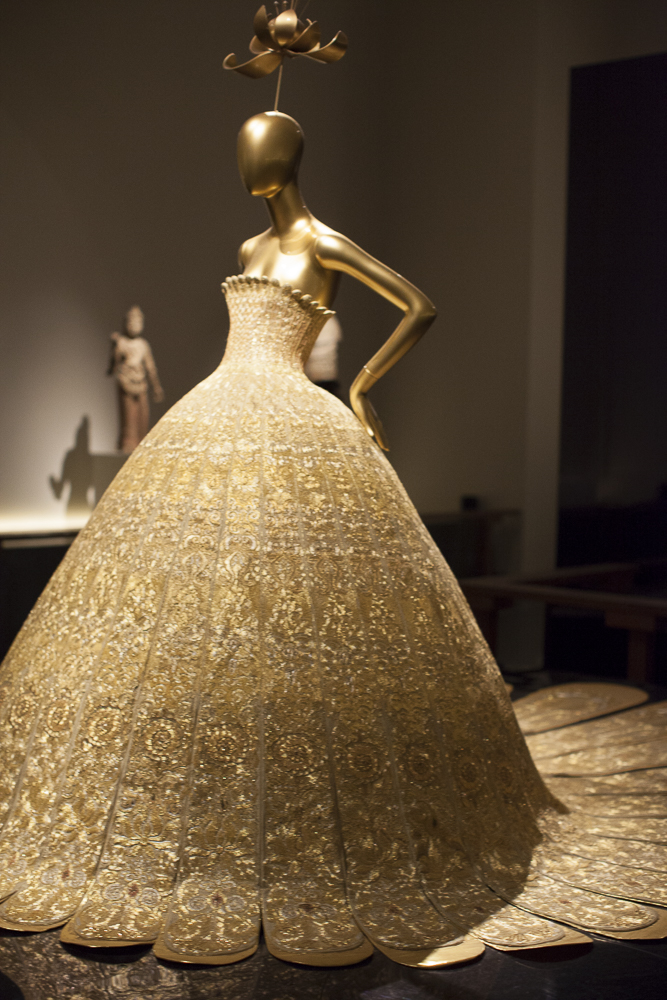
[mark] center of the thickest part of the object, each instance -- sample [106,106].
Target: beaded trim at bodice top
[271,324]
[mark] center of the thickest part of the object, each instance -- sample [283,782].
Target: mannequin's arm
[340,254]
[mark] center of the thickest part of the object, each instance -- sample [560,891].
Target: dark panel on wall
[614,425]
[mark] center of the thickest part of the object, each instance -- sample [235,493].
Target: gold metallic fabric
[253,693]
[565,704]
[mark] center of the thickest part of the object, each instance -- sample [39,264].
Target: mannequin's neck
[289,215]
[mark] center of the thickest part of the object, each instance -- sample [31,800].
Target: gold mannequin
[303,252]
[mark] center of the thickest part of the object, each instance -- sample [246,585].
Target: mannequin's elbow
[426,311]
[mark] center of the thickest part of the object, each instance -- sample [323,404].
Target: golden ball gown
[252,695]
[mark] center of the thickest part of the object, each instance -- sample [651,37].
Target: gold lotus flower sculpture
[285,35]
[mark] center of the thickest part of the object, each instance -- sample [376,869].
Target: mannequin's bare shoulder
[332,249]
[247,249]
[327,235]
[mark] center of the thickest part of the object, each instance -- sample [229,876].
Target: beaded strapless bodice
[272,324]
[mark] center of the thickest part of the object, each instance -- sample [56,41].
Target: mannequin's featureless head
[134,321]
[269,152]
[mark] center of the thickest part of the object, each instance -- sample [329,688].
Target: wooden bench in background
[629,595]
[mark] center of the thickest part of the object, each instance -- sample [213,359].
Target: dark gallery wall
[438,143]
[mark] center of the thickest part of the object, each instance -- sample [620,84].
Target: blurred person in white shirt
[322,365]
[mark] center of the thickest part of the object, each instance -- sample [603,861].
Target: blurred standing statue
[133,365]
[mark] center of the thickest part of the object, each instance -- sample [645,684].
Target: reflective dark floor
[39,967]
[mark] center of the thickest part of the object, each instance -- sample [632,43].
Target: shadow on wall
[87,474]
